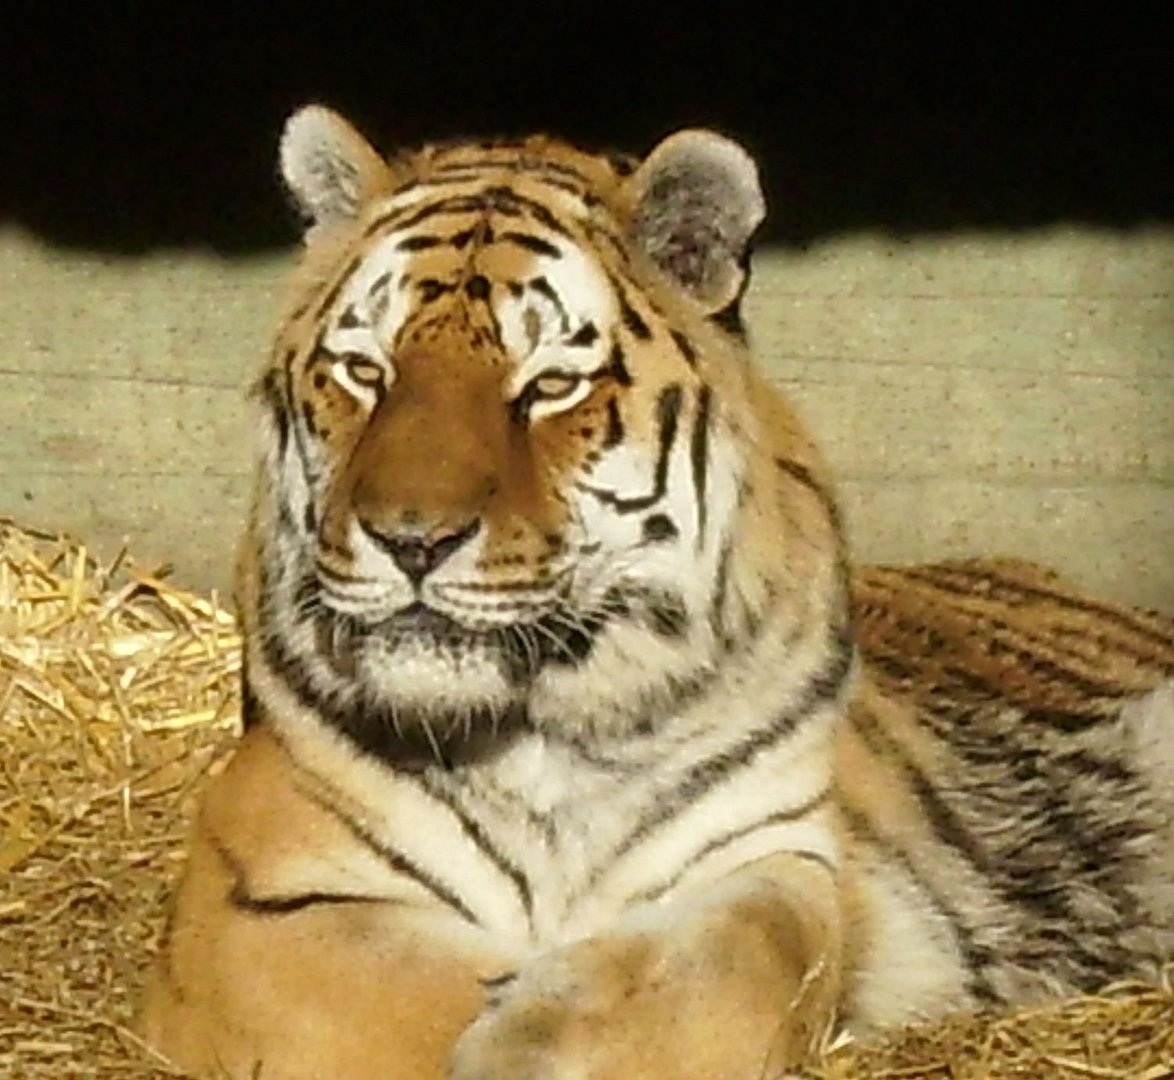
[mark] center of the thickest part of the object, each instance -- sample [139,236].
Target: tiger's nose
[418,553]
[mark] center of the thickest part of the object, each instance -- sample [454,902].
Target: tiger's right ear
[329,168]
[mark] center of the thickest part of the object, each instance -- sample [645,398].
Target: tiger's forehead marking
[494,251]
[538,159]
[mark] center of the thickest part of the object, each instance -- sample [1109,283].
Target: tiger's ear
[697,203]
[329,168]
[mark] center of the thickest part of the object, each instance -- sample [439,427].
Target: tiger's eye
[555,385]
[364,372]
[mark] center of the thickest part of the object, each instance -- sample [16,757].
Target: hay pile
[118,694]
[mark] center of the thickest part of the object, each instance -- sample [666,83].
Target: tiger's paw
[542,1024]
[635,1006]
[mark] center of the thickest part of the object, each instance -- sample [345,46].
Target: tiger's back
[1033,727]
[559,758]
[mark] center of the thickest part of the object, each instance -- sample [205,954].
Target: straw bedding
[118,695]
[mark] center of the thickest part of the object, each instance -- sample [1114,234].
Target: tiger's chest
[531,841]
[544,847]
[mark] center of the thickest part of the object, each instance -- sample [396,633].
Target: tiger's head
[515,467]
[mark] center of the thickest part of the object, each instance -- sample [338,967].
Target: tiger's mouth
[520,649]
[423,622]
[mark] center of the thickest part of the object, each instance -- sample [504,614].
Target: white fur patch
[1150,721]
[910,968]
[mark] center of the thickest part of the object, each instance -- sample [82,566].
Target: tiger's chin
[420,679]
[414,701]
[420,661]
[419,683]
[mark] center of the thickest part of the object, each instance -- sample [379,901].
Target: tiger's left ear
[696,204]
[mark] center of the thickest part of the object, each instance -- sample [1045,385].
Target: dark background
[129,134]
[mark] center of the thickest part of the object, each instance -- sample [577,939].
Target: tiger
[575,746]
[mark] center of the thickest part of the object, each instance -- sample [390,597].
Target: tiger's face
[496,480]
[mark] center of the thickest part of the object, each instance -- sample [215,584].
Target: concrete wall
[975,394]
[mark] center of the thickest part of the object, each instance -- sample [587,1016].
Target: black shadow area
[128,134]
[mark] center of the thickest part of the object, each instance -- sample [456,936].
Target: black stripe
[495,323]
[269,390]
[445,176]
[730,320]
[497,199]
[511,802]
[637,327]
[476,833]
[518,164]
[822,686]
[721,588]
[242,899]
[542,286]
[699,459]
[288,905]
[614,434]
[324,570]
[668,411]
[644,719]
[944,701]
[395,860]
[616,367]
[804,475]
[299,442]
[531,243]
[587,750]
[331,294]
[431,289]
[418,243]
[779,817]
[957,689]
[596,233]
[568,186]
[403,217]
[460,240]
[379,284]
[250,703]
[565,640]
[537,210]
[560,169]
[685,347]
[586,335]
[476,168]
[665,614]
[946,826]
[440,163]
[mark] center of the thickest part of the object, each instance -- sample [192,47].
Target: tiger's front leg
[290,954]
[739,982]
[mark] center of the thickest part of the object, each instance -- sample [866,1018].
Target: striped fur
[560,760]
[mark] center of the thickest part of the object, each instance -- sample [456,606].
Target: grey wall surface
[975,394]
